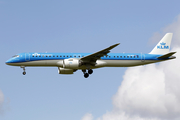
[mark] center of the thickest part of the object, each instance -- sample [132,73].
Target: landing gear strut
[24,70]
[86,75]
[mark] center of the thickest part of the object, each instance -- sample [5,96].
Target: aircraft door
[142,57]
[27,57]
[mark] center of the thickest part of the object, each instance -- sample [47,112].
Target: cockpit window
[16,56]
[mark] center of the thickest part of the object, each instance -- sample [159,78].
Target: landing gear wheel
[90,71]
[24,73]
[86,75]
[24,70]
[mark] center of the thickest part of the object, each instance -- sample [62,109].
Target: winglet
[114,45]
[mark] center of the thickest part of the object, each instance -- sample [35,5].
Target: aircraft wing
[93,57]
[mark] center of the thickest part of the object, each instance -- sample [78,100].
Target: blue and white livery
[68,63]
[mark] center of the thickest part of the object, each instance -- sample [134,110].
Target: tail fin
[163,46]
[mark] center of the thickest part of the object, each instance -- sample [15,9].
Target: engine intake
[65,71]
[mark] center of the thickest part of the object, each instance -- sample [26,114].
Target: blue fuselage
[52,59]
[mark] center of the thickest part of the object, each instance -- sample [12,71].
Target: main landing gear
[24,70]
[86,75]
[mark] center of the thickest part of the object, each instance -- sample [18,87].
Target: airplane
[68,63]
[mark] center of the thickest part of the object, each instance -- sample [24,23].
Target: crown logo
[163,43]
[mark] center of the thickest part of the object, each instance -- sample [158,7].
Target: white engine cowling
[71,63]
[65,71]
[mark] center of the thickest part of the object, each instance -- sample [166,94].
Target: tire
[86,75]
[24,73]
[90,71]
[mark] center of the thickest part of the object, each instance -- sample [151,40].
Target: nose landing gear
[24,70]
[24,73]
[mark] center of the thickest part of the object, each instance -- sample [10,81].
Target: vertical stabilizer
[163,46]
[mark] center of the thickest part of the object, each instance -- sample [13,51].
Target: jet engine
[65,71]
[71,63]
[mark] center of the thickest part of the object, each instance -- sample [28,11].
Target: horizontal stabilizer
[166,55]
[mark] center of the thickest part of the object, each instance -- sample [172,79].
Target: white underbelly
[124,63]
[99,63]
[50,63]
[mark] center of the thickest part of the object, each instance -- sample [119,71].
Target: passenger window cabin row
[54,56]
[135,56]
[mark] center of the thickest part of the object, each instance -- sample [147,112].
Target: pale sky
[75,26]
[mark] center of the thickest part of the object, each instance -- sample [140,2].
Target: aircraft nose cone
[8,62]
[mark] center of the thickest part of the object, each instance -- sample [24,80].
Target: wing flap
[166,55]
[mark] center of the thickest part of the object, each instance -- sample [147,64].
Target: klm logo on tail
[162,46]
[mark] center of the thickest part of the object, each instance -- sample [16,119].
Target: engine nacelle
[71,63]
[65,71]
